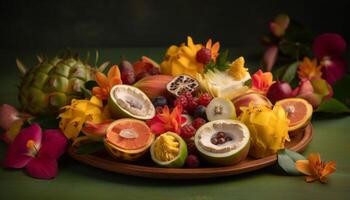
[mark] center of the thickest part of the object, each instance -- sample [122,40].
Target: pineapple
[53,83]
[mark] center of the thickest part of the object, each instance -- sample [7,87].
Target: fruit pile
[195,108]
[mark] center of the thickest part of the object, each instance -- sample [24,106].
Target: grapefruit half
[128,139]
[299,112]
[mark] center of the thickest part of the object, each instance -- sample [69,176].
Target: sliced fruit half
[220,108]
[128,139]
[299,113]
[181,84]
[223,142]
[127,101]
[169,150]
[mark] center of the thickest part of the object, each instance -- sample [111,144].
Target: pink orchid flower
[37,151]
[328,48]
[314,91]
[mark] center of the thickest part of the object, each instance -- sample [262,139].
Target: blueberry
[159,101]
[200,112]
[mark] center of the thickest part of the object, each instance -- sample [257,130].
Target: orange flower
[106,83]
[261,81]
[308,69]
[214,49]
[165,121]
[314,168]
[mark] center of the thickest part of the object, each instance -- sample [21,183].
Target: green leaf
[341,90]
[90,84]
[222,58]
[286,160]
[333,106]
[278,72]
[209,66]
[290,72]
[91,147]
[46,122]
[87,93]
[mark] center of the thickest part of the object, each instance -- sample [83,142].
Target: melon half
[228,153]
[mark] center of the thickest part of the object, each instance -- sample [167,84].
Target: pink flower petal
[53,145]
[270,56]
[328,44]
[43,168]
[18,154]
[157,128]
[333,69]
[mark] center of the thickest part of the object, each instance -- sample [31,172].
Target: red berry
[181,100]
[187,131]
[192,161]
[204,99]
[198,122]
[188,95]
[203,55]
[192,104]
[191,147]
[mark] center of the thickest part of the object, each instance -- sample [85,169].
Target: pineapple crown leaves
[221,63]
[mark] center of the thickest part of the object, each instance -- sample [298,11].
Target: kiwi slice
[220,108]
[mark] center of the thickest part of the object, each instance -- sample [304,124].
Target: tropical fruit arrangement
[197,108]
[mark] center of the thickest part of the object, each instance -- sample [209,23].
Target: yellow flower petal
[73,127]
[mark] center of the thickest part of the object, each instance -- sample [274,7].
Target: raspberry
[192,104]
[192,161]
[198,122]
[181,100]
[191,147]
[203,55]
[188,95]
[187,131]
[204,99]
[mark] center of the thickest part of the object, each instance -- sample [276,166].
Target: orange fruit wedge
[299,112]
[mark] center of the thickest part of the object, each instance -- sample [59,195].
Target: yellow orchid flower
[237,69]
[309,69]
[77,113]
[268,129]
[182,59]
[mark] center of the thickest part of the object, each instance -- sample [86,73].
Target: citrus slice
[299,112]
[128,139]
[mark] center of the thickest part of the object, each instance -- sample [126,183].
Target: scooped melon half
[129,102]
[223,142]
[128,139]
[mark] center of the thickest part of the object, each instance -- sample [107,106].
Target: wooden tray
[146,169]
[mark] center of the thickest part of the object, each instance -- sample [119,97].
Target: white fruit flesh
[220,108]
[132,101]
[235,129]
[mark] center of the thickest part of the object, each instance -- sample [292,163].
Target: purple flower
[37,151]
[328,48]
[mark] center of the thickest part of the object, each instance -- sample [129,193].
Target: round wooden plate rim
[185,173]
